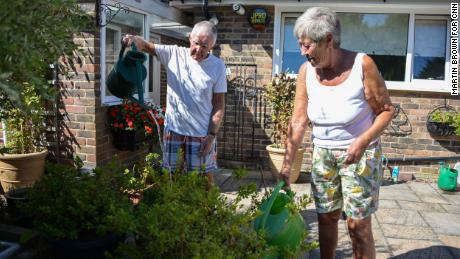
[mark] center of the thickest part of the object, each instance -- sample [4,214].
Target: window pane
[292,60]
[381,36]
[429,49]
[122,23]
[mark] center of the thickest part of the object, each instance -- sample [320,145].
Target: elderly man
[195,99]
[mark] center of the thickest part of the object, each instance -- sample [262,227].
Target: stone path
[414,220]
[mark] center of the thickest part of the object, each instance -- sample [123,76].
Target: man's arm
[297,125]
[141,44]
[217,114]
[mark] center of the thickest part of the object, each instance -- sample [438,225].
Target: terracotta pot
[276,162]
[21,170]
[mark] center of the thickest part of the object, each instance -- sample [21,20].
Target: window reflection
[429,51]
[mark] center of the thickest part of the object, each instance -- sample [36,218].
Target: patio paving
[414,220]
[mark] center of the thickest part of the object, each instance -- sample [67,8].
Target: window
[123,23]
[381,36]
[398,43]
[429,52]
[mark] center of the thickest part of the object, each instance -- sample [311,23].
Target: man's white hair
[205,28]
[316,23]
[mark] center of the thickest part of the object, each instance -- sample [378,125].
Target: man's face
[200,46]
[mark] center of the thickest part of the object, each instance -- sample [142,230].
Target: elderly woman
[345,98]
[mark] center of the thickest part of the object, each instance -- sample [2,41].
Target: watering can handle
[271,201]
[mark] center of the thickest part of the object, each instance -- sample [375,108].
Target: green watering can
[447,179]
[282,229]
[127,75]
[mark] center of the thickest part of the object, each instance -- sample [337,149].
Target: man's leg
[328,233]
[361,237]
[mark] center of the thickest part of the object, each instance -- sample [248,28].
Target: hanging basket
[438,128]
[128,139]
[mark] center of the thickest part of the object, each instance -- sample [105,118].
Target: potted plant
[25,58]
[76,210]
[280,93]
[444,122]
[131,123]
[22,158]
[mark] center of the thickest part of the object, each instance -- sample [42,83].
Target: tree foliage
[34,34]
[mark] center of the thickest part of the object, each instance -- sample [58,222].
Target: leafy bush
[281,93]
[178,218]
[67,204]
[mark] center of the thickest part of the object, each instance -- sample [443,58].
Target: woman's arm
[377,96]
[297,125]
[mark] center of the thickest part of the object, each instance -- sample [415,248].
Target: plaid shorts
[353,188]
[183,152]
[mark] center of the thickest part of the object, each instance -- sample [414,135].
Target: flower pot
[21,170]
[276,156]
[439,129]
[128,139]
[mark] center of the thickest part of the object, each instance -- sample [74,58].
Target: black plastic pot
[128,139]
[439,129]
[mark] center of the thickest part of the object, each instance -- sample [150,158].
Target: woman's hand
[355,151]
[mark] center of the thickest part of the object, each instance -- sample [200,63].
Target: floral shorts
[183,152]
[353,188]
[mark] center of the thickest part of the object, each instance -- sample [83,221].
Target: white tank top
[340,113]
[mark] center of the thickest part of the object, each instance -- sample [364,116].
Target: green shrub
[67,204]
[178,218]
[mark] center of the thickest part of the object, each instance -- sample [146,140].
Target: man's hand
[140,43]
[207,145]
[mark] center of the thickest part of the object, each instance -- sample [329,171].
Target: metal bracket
[110,11]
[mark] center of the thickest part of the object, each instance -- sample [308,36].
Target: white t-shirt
[191,85]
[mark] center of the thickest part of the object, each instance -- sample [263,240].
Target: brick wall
[82,129]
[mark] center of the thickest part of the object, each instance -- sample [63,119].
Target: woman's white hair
[205,28]
[316,23]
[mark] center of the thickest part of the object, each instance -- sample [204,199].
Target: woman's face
[315,52]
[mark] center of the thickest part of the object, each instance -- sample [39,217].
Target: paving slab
[426,192]
[452,208]
[400,217]
[398,194]
[408,232]
[443,223]
[388,204]
[421,206]
[452,241]
[408,248]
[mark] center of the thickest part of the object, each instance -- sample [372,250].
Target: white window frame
[113,100]
[435,11]
[155,95]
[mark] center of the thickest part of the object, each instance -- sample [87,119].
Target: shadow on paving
[432,252]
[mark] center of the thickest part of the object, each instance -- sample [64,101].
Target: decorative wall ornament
[110,11]
[258,18]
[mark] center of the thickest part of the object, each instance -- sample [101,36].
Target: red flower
[133,116]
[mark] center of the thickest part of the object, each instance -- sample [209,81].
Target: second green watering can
[127,74]
[283,229]
[447,179]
